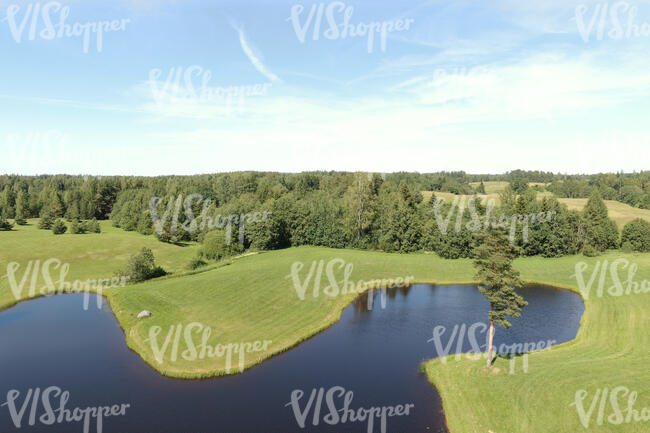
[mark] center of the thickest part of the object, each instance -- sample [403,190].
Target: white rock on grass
[144,313]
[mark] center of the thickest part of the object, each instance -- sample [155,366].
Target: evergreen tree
[481,188]
[21,203]
[47,219]
[601,232]
[7,203]
[59,227]
[498,280]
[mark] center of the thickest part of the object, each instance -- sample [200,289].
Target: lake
[375,354]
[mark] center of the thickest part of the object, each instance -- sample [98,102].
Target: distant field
[492,186]
[621,213]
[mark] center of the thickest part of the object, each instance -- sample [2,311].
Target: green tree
[141,267]
[7,203]
[21,204]
[77,227]
[358,205]
[59,227]
[481,188]
[47,219]
[498,280]
[637,233]
[600,232]
[214,245]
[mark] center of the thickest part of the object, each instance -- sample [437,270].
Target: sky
[154,87]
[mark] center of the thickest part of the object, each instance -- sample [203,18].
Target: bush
[196,263]
[637,234]
[141,267]
[77,228]
[627,247]
[590,251]
[214,245]
[92,226]
[5,225]
[59,227]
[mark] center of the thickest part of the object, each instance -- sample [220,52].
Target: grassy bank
[611,350]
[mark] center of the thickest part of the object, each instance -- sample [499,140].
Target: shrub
[5,225]
[59,227]
[92,226]
[590,251]
[215,246]
[627,247]
[196,262]
[637,234]
[77,227]
[141,267]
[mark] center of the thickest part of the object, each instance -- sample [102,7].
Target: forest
[372,211]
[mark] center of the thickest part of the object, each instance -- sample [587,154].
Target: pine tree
[481,188]
[498,280]
[21,203]
[7,201]
[601,232]
[47,219]
[59,227]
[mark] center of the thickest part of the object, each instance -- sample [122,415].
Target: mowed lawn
[90,256]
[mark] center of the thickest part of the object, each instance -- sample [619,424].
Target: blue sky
[483,87]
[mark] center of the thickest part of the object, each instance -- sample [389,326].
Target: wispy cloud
[255,60]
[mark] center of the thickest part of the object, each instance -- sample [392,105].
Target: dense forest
[359,210]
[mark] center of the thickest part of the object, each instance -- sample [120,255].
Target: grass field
[492,186]
[90,255]
[254,299]
[621,213]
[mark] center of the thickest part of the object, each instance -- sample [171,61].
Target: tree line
[333,209]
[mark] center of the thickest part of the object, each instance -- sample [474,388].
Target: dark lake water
[375,354]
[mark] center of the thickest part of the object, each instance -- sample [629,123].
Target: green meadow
[253,298]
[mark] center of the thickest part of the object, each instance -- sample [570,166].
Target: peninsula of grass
[254,299]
